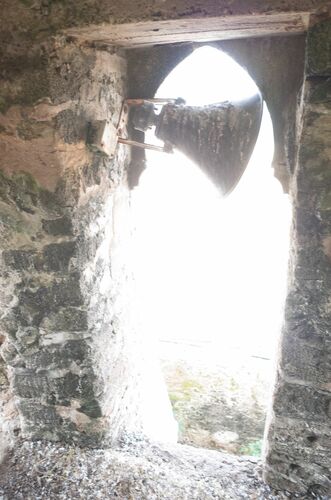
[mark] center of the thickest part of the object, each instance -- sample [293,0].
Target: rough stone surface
[319,49]
[68,344]
[136,471]
[299,430]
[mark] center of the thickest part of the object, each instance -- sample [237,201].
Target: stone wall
[50,181]
[298,440]
[71,357]
[73,364]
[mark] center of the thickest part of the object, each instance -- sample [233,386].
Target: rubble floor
[136,470]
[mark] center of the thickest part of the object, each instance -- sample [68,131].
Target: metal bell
[219,138]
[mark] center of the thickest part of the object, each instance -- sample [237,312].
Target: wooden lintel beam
[140,34]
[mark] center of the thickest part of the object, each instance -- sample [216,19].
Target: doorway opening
[211,272]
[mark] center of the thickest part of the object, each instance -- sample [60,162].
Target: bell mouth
[219,138]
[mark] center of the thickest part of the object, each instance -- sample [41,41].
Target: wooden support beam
[141,34]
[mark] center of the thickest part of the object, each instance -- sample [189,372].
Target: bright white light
[208,76]
[207,269]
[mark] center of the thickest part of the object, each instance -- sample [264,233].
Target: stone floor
[134,471]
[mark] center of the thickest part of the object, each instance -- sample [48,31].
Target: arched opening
[211,272]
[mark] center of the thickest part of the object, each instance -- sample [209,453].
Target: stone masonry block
[20,259]
[37,415]
[56,256]
[41,298]
[60,356]
[66,388]
[61,226]
[319,93]
[66,319]
[301,402]
[294,473]
[299,360]
[29,384]
[319,49]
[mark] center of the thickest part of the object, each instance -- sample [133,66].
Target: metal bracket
[103,136]
[123,121]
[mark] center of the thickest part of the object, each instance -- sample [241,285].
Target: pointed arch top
[207,76]
[276,64]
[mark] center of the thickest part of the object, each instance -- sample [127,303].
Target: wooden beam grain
[141,34]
